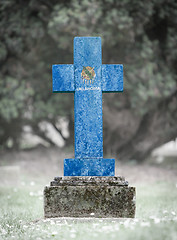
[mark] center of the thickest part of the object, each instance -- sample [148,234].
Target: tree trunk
[156,127]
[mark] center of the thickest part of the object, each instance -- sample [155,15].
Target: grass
[21,206]
[21,216]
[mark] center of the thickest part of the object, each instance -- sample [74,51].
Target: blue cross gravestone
[88,78]
[88,187]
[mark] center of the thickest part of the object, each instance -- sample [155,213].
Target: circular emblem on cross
[88,74]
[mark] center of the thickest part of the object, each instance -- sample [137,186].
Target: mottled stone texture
[88,104]
[64,72]
[89,167]
[88,124]
[75,196]
[112,78]
[89,197]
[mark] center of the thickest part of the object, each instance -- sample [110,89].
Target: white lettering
[88,88]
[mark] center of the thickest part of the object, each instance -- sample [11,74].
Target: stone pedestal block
[89,197]
[89,167]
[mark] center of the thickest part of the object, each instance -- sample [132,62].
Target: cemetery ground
[24,174]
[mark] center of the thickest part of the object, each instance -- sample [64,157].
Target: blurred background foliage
[139,34]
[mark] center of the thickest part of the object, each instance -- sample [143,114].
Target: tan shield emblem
[88,75]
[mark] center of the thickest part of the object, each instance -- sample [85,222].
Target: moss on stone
[104,200]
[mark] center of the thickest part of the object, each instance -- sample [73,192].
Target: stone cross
[87,78]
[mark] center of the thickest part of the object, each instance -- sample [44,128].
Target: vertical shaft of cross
[87,78]
[88,124]
[88,98]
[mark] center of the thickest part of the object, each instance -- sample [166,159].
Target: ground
[24,174]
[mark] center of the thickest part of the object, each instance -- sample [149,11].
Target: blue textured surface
[88,124]
[63,78]
[112,77]
[87,52]
[88,104]
[89,167]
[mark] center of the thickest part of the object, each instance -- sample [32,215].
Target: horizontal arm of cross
[112,77]
[63,78]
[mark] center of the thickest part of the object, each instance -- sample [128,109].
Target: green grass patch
[21,216]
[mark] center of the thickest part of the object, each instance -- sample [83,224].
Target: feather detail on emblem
[88,74]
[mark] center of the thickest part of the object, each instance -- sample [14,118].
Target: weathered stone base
[89,197]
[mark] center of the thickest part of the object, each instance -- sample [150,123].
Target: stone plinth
[89,197]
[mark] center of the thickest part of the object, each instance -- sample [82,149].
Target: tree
[141,35]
